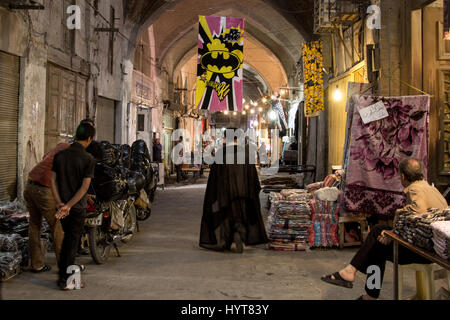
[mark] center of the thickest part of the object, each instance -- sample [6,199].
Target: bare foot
[347,274]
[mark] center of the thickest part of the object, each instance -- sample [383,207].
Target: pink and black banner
[219,64]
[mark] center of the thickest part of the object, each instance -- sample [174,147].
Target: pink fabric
[373,180]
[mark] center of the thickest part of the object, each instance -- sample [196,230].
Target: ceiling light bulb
[273,115]
[264,100]
[234,113]
[252,111]
[260,109]
[226,112]
[243,112]
[247,106]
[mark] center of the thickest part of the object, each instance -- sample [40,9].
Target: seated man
[378,248]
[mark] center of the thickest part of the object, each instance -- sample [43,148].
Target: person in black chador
[231,208]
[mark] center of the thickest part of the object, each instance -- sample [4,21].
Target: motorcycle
[101,237]
[119,213]
[147,195]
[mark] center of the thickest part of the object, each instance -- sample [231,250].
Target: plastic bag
[107,183]
[8,243]
[126,155]
[111,154]
[10,264]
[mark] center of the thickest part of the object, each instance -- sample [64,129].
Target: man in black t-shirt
[72,171]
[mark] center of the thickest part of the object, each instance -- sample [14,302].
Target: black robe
[232,205]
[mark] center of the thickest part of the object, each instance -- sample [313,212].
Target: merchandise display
[324,231]
[441,238]
[417,229]
[372,181]
[289,220]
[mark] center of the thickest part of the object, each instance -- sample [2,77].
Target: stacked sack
[10,258]
[14,253]
[441,238]
[416,228]
[289,220]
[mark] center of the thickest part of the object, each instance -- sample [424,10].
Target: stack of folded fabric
[289,221]
[324,230]
[416,228]
[314,186]
[441,238]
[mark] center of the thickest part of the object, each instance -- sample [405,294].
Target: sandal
[337,281]
[45,268]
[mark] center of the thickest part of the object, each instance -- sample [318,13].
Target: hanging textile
[313,74]
[281,116]
[376,149]
[219,65]
[353,88]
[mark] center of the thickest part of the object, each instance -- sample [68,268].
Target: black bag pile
[125,156]
[14,218]
[108,182]
[123,170]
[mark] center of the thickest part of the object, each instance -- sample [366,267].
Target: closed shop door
[66,104]
[105,119]
[9,110]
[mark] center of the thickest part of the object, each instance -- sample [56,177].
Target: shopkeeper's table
[433,257]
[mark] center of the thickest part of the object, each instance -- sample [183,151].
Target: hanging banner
[281,116]
[313,74]
[446,19]
[219,64]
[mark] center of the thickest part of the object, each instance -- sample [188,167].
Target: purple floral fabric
[373,180]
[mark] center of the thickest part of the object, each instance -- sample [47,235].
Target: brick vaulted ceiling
[280,26]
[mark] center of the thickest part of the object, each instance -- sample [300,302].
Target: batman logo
[220,64]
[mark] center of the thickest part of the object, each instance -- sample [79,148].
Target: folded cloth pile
[314,186]
[441,238]
[327,194]
[332,180]
[325,224]
[416,228]
[289,221]
[276,182]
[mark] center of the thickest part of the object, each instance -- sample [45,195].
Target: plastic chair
[425,289]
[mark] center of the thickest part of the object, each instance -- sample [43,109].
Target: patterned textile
[284,245]
[372,181]
[281,116]
[313,72]
[417,228]
[325,227]
[289,221]
[441,238]
[220,61]
[332,180]
[314,186]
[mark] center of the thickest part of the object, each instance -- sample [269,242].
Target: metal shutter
[9,117]
[105,119]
